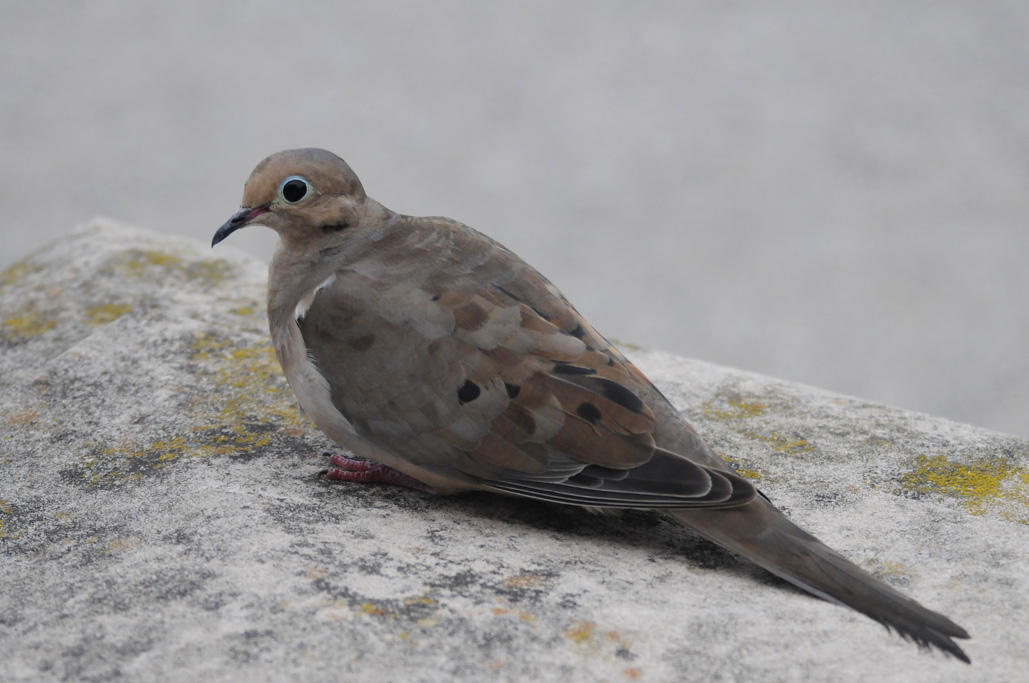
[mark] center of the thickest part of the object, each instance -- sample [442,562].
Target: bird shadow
[647,531]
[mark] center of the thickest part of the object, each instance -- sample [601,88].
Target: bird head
[299,193]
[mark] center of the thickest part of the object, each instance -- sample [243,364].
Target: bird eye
[294,188]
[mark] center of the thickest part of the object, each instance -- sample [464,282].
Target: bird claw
[364,472]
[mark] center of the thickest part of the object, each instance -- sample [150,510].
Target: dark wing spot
[469,391]
[588,412]
[620,395]
[565,369]
[512,390]
[578,332]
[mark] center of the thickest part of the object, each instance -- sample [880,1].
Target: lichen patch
[154,263]
[26,323]
[247,407]
[733,408]
[982,485]
[106,313]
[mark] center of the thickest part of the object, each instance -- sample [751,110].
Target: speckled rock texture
[162,516]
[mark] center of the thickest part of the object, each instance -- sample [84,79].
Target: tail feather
[762,534]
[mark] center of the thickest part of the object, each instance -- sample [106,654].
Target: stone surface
[162,516]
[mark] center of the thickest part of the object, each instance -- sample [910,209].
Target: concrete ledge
[162,516]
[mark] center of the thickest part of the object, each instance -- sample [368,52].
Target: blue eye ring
[295,189]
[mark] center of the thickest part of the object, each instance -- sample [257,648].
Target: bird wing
[450,352]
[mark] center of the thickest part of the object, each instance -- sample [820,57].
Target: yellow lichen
[247,390]
[28,322]
[15,271]
[106,313]
[249,381]
[738,468]
[738,410]
[136,262]
[581,632]
[242,310]
[139,263]
[371,609]
[204,345]
[209,271]
[782,443]
[981,484]
[589,640]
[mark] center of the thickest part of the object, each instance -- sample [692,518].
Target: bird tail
[763,535]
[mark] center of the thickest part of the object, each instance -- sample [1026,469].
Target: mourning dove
[440,356]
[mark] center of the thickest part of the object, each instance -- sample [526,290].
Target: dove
[447,363]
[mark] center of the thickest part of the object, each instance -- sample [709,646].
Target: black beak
[237,221]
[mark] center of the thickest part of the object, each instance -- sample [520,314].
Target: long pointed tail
[762,534]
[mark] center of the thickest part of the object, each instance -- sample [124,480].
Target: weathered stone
[162,516]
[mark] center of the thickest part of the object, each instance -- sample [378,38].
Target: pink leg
[364,472]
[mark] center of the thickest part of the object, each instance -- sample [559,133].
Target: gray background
[827,192]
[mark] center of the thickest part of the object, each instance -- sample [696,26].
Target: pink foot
[364,472]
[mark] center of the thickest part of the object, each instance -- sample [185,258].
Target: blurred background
[834,193]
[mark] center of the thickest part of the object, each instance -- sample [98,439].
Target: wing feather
[505,383]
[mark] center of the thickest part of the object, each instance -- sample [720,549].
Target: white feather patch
[305,303]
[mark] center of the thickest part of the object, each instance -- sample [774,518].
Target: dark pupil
[294,190]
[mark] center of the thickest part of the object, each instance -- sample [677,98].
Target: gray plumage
[425,346]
